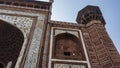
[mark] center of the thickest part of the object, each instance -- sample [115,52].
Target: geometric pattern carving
[23,23]
[32,56]
[56,65]
[33,52]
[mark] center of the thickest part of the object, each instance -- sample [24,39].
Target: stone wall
[99,46]
[32,25]
[54,62]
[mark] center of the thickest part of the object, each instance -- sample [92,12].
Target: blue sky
[66,10]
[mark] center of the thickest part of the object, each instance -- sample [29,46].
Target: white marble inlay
[9,64]
[59,31]
[75,32]
[32,56]
[56,65]
[23,23]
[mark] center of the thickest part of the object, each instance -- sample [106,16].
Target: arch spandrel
[57,32]
[21,22]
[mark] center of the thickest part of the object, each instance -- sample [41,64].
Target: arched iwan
[11,41]
[68,46]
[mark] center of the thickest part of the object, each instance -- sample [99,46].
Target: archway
[11,41]
[68,46]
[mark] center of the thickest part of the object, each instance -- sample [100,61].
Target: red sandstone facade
[44,43]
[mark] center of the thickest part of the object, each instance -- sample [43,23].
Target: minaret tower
[101,50]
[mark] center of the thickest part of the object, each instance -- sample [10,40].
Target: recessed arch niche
[11,41]
[68,46]
[1,65]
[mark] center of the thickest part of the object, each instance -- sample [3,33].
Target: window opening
[67,53]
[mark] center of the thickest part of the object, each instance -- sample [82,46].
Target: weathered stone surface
[59,31]
[32,56]
[23,23]
[46,48]
[56,65]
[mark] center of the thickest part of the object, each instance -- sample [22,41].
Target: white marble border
[85,50]
[40,20]
[51,44]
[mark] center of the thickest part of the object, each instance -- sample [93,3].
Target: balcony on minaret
[89,13]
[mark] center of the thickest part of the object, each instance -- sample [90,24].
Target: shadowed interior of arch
[1,65]
[68,46]
[11,41]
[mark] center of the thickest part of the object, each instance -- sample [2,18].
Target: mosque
[30,39]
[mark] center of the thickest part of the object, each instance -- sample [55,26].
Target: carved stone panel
[58,65]
[33,52]
[21,22]
[32,56]
[24,24]
[31,24]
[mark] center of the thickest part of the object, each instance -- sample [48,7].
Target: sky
[66,10]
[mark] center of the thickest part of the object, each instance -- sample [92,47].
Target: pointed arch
[11,41]
[68,46]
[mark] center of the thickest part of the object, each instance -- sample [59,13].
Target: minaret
[101,50]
